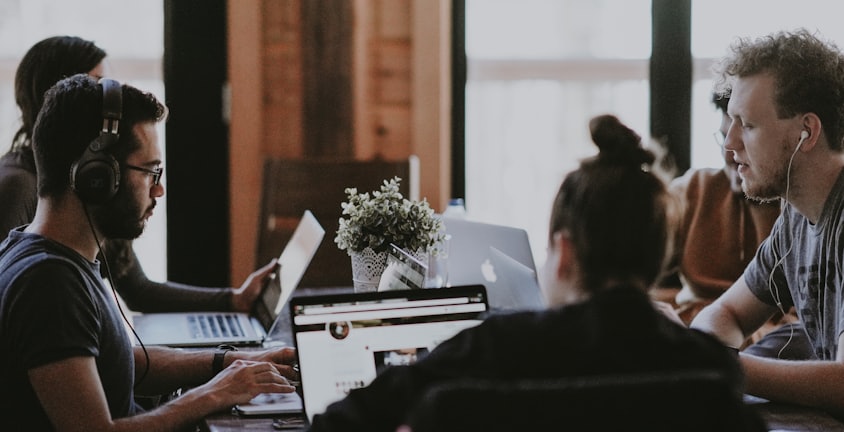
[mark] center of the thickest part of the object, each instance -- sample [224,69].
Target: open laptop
[344,340]
[199,329]
[483,253]
[512,285]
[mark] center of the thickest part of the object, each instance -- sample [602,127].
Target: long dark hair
[617,210]
[47,62]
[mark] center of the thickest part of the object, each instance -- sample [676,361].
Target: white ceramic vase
[368,266]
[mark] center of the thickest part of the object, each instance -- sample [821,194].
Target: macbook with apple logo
[496,256]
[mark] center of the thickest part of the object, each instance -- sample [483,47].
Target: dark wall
[459,71]
[671,79]
[197,142]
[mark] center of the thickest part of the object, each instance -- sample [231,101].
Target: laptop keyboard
[215,326]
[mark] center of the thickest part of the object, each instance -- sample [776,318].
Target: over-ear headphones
[95,176]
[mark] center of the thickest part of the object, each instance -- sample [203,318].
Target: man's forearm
[814,383]
[718,322]
[171,369]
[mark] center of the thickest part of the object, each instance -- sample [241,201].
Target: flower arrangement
[386,217]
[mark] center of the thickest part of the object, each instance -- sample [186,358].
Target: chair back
[290,186]
[676,401]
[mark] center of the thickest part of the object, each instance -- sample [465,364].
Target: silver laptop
[483,253]
[512,285]
[343,341]
[196,329]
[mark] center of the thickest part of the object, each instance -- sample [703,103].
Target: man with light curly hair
[787,110]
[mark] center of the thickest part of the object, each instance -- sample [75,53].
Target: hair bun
[617,143]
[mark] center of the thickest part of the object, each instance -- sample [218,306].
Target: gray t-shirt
[800,264]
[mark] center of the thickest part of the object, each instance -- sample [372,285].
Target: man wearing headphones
[45,63]
[68,363]
[787,111]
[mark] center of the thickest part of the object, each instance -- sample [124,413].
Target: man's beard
[771,190]
[120,218]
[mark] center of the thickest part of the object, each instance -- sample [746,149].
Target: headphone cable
[772,285]
[116,299]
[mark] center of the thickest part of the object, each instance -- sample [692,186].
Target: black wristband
[219,356]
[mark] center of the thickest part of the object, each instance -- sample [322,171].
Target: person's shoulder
[700,177]
[31,266]
[18,159]
[17,168]
[33,249]
[702,185]
[621,303]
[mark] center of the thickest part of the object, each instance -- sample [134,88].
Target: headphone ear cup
[95,176]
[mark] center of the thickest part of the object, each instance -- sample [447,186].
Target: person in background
[607,244]
[718,236]
[43,65]
[68,363]
[786,134]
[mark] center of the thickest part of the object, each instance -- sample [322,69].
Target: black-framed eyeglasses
[155,174]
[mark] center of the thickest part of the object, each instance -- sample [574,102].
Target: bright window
[538,70]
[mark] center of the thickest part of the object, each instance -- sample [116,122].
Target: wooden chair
[292,186]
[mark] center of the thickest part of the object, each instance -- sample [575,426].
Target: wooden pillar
[326,78]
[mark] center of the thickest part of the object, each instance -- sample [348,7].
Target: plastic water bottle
[437,276]
[456,209]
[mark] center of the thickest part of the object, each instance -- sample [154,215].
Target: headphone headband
[95,176]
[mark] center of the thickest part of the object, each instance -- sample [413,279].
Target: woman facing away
[608,242]
[44,64]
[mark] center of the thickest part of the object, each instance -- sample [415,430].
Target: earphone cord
[772,286]
[117,300]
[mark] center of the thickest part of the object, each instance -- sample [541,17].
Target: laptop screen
[292,264]
[343,341]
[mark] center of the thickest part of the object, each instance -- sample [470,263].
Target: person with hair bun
[608,239]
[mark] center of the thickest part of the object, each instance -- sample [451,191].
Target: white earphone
[803,135]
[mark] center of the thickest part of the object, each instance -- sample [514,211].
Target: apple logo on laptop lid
[488,271]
